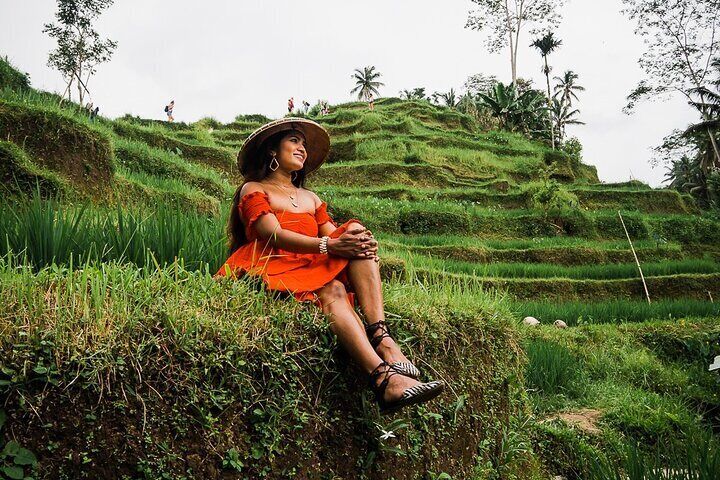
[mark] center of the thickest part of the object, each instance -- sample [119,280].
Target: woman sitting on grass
[282,232]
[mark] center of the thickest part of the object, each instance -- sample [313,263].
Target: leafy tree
[546,45]
[366,83]
[414,94]
[479,83]
[79,47]
[505,20]
[448,99]
[681,38]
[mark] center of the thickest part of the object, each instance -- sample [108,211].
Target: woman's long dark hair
[256,170]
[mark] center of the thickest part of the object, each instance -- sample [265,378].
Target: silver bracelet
[323,245]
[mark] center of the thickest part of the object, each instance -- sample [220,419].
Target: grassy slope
[432,187]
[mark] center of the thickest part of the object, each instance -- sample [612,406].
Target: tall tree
[546,45]
[366,83]
[566,87]
[79,47]
[682,39]
[563,115]
[479,83]
[708,104]
[505,20]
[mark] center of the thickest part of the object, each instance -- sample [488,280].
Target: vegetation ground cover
[111,310]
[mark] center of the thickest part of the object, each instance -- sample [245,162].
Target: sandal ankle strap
[376,340]
[379,389]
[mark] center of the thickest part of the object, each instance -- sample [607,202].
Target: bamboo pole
[637,262]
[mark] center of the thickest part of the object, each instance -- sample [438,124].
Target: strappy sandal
[403,368]
[420,393]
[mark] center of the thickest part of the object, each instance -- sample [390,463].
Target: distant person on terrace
[169,110]
[282,232]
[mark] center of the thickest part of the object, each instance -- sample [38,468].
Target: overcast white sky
[221,57]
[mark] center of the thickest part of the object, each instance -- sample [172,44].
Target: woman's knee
[355,225]
[333,291]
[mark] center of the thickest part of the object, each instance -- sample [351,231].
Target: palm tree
[563,116]
[366,84]
[547,44]
[414,94]
[566,87]
[709,107]
[448,99]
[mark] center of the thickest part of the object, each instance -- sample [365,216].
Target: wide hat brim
[317,142]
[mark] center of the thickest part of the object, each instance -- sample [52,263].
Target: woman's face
[291,153]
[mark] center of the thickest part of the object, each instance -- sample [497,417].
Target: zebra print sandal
[403,368]
[420,393]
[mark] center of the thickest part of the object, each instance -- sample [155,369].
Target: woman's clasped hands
[357,242]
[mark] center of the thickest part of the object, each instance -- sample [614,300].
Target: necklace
[293,198]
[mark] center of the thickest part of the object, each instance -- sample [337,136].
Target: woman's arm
[351,244]
[268,228]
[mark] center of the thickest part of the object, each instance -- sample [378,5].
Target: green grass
[506,244]
[658,403]
[47,233]
[139,157]
[106,301]
[551,368]
[579,272]
[217,361]
[615,311]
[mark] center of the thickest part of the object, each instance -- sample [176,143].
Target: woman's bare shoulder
[251,187]
[315,198]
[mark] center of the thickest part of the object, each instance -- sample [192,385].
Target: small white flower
[385,435]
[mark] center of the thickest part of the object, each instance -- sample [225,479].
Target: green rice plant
[615,311]
[43,232]
[580,272]
[698,459]
[507,244]
[551,368]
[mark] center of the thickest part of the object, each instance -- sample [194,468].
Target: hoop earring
[277,164]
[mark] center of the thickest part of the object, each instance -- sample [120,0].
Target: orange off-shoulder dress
[299,274]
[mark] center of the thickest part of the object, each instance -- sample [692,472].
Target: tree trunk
[511,44]
[715,147]
[552,123]
[81,97]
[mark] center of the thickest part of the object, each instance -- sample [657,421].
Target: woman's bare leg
[364,276]
[345,324]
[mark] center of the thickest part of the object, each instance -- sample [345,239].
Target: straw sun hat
[316,138]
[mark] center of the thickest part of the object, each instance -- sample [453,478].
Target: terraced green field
[464,222]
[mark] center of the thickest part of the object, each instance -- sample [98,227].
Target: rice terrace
[572,323]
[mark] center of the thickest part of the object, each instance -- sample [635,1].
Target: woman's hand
[355,243]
